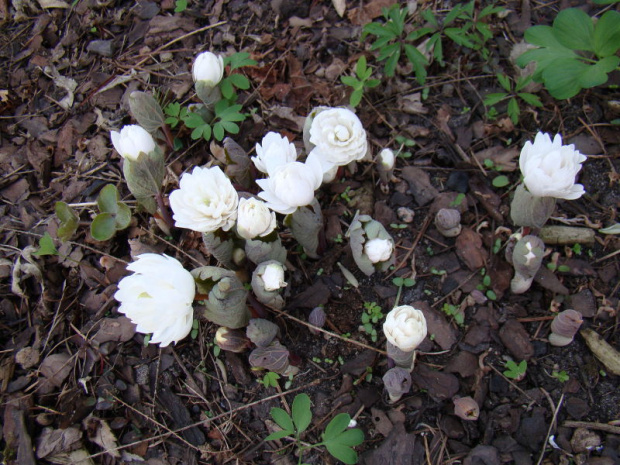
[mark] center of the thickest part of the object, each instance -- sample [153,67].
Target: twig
[427,221]
[599,426]
[551,425]
[208,420]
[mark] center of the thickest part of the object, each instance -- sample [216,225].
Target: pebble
[405,214]
[101,47]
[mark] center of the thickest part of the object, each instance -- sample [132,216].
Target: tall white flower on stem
[131,141]
[273,151]
[208,68]
[338,136]
[405,329]
[549,168]
[158,298]
[205,201]
[291,185]
[254,219]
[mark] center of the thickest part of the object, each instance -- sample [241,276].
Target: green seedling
[69,221]
[235,80]
[180,6]
[462,25]
[485,285]
[270,379]
[360,82]
[514,371]
[114,216]
[46,246]
[370,317]
[224,121]
[194,332]
[337,438]
[398,226]
[513,94]
[454,312]
[574,53]
[561,376]
[458,200]
[405,143]
[402,282]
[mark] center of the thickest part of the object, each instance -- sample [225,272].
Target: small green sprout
[514,371]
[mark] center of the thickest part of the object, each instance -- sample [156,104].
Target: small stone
[101,47]
[27,357]
[583,440]
[576,407]
[405,214]
[458,181]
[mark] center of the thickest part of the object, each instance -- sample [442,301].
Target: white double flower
[549,168]
[205,201]
[158,298]
[405,327]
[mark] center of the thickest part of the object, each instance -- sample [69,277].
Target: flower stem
[165,213]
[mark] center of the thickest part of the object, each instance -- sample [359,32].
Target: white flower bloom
[378,250]
[208,68]
[330,174]
[132,141]
[387,159]
[205,201]
[273,277]
[291,185]
[405,327]
[339,137]
[273,151]
[158,298]
[549,168]
[254,219]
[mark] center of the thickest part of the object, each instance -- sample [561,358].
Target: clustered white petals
[273,151]
[549,168]
[205,201]
[291,185]
[131,141]
[338,136]
[405,327]
[158,298]
[208,68]
[254,219]
[378,250]
[273,277]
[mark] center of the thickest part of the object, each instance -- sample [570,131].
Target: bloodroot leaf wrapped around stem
[226,303]
[371,245]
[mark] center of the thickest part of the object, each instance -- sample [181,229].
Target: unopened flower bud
[564,327]
[131,141]
[267,282]
[397,381]
[379,250]
[526,258]
[385,166]
[232,340]
[466,408]
[448,222]
[317,318]
[208,68]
